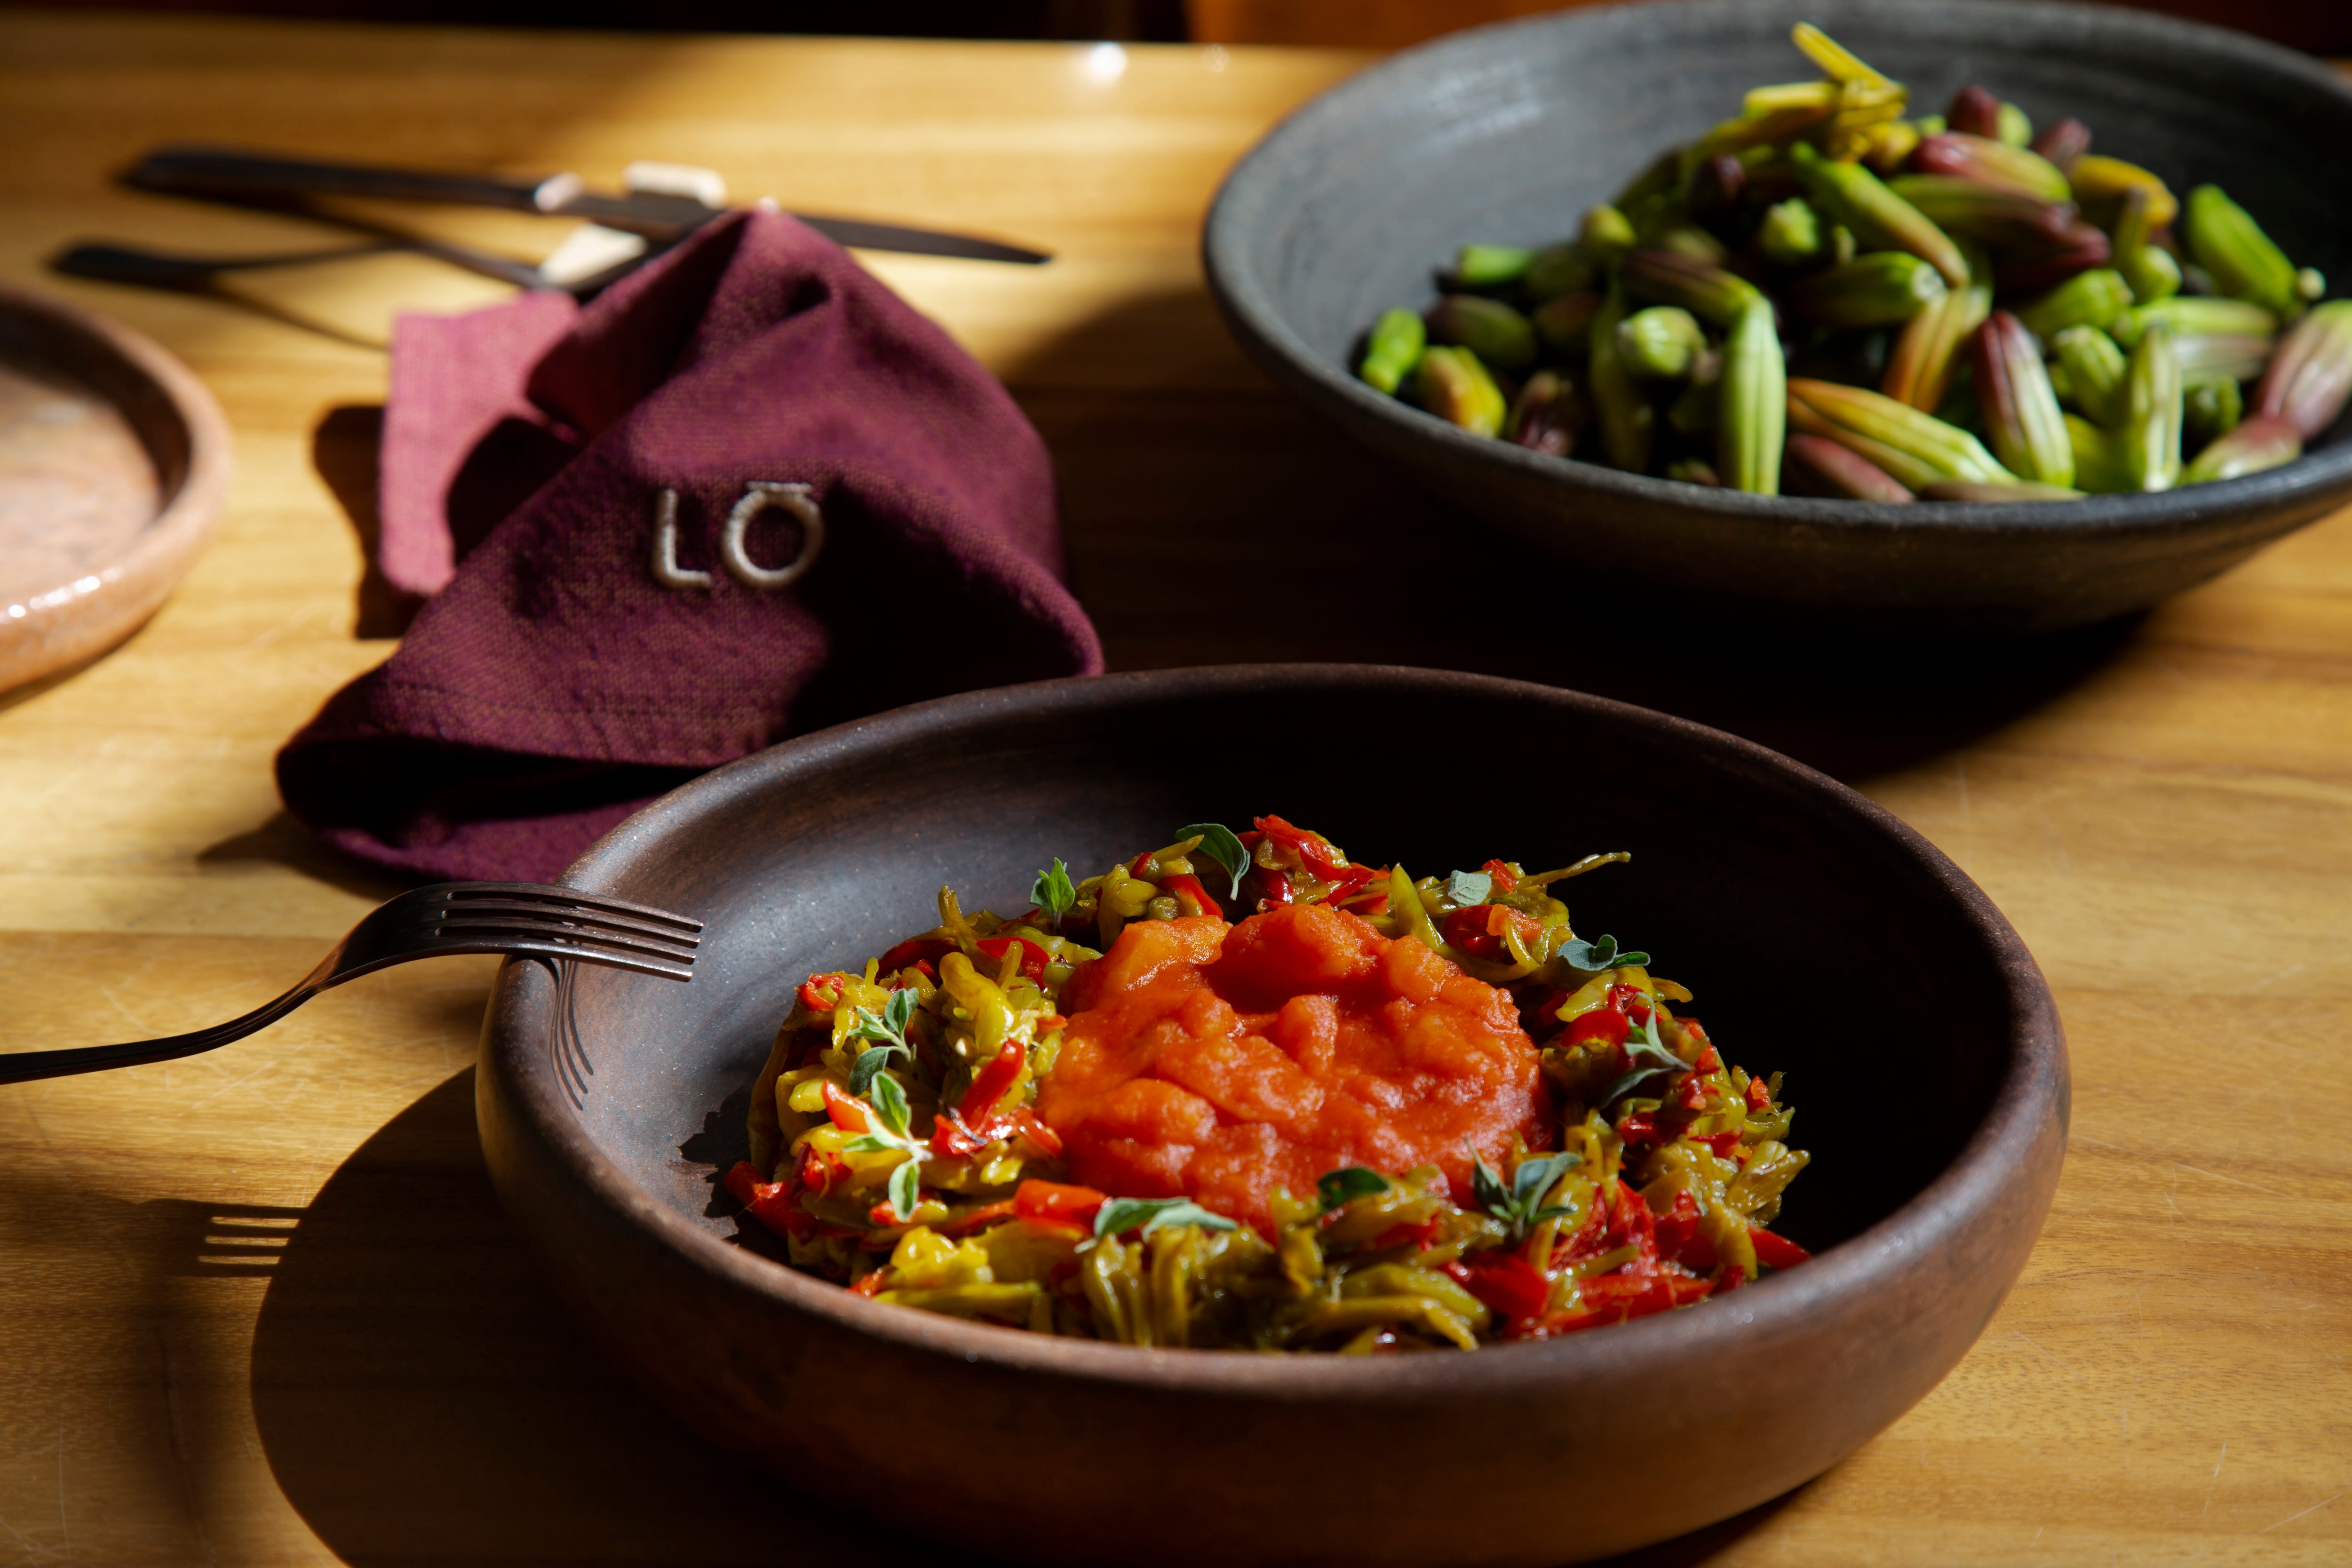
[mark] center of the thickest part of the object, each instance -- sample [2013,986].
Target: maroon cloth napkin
[552,683]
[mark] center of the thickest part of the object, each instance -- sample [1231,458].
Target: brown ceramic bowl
[1820,935]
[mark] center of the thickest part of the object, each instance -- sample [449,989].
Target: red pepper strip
[882,1215]
[1057,1202]
[1759,1095]
[1638,1295]
[1631,1001]
[819,997]
[1478,929]
[1190,886]
[1571,1322]
[1638,1127]
[1467,929]
[869,1287]
[1141,863]
[1033,958]
[1312,849]
[1504,881]
[1721,1143]
[770,1202]
[845,1112]
[972,1220]
[1421,1234]
[1775,1251]
[989,1084]
[950,1137]
[1708,1060]
[1732,1278]
[1677,1226]
[1591,1240]
[1317,855]
[1273,889]
[1030,1125]
[1505,1282]
[1606,1024]
[915,951]
[1691,1094]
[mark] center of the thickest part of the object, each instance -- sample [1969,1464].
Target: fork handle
[24,1066]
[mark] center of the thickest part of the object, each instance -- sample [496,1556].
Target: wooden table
[260,1307]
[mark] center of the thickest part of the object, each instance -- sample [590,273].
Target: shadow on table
[1209,518]
[282,841]
[422,1397]
[420,1394]
[344,448]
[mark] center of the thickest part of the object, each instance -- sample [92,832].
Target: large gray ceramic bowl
[1922,1051]
[1507,133]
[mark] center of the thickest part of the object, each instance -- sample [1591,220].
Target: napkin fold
[746,493]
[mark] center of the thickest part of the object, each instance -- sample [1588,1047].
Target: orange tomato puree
[1218,1062]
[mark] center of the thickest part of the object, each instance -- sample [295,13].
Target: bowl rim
[57,626]
[1247,304]
[2032,1091]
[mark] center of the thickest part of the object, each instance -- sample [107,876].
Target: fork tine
[548,945]
[566,897]
[484,928]
[551,917]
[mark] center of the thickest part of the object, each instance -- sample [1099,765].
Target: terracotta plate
[114,461]
[1820,934]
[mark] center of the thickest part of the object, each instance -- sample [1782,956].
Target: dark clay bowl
[1820,934]
[1508,134]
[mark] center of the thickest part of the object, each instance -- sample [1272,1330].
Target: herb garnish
[1156,1214]
[1340,1186]
[889,1026]
[1221,843]
[890,1108]
[1054,891]
[1650,1056]
[1467,888]
[1596,956]
[1515,1205]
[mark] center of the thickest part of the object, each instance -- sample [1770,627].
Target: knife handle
[217,170]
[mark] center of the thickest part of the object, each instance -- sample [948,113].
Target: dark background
[2323,26]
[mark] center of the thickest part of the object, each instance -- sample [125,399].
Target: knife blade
[228,173]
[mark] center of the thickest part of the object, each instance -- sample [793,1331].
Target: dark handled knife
[226,173]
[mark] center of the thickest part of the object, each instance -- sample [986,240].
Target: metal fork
[524,918]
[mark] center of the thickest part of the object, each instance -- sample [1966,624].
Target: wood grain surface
[257,1307]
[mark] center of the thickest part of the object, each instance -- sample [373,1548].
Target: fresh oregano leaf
[1515,1205]
[1487,1187]
[1645,1045]
[1632,1082]
[869,1062]
[1121,1215]
[1465,888]
[906,1189]
[1534,1177]
[1053,892]
[1337,1187]
[1221,843]
[891,1103]
[1596,956]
